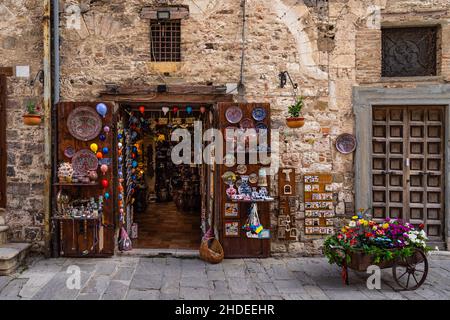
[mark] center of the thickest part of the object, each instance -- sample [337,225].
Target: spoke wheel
[411,272]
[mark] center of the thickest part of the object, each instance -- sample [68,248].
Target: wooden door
[2,141]
[240,246]
[78,237]
[408,166]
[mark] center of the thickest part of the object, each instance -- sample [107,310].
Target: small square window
[409,52]
[165,38]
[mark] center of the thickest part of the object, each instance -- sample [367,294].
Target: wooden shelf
[251,201]
[76,184]
[80,219]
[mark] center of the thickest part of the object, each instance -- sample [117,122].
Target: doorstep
[152,253]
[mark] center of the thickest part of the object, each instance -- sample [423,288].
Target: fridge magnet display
[231,210]
[231,228]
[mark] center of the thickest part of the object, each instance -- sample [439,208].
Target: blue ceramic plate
[259,114]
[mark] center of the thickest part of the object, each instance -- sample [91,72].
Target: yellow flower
[386,225]
[344,230]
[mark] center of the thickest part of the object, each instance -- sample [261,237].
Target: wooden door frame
[364,98]
[4,73]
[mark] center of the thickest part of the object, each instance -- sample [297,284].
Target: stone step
[11,256]
[3,234]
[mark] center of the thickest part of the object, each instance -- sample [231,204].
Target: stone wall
[328,47]
[21,45]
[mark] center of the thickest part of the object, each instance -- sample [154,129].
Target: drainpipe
[47,125]
[54,245]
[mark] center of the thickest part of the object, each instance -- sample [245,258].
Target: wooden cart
[409,272]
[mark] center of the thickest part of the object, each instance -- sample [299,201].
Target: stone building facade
[328,48]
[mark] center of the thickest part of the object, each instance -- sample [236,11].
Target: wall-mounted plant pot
[295,122]
[32,119]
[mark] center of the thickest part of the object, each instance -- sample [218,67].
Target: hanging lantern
[104,169]
[102,137]
[189,109]
[107,195]
[94,147]
[105,183]
[202,109]
[107,129]
[165,110]
[102,109]
[142,109]
[105,150]
[134,164]
[175,109]
[99,155]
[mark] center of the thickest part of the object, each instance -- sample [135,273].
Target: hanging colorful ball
[107,195]
[120,188]
[189,109]
[107,129]
[94,147]
[142,109]
[175,109]
[102,109]
[120,159]
[104,169]
[134,164]
[120,197]
[120,136]
[102,137]
[105,150]
[120,145]
[202,109]
[134,149]
[105,183]
[99,155]
[165,110]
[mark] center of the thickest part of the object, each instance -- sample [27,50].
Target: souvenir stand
[244,202]
[83,215]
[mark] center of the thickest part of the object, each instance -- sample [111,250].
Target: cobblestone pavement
[174,278]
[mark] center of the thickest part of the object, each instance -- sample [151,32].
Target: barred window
[409,52]
[165,37]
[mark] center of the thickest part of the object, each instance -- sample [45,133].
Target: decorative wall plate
[84,123]
[259,114]
[261,126]
[241,169]
[233,114]
[247,123]
[346,143]
[229,160]
[84,161]
[253,178]
[229,177]
[69,152]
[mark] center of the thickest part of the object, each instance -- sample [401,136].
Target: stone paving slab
[168,278]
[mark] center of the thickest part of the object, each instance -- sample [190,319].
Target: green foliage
[295,109]
[31,107]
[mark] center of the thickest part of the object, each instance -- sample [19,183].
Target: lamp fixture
[284,75]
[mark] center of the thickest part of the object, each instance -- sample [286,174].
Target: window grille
[165,39]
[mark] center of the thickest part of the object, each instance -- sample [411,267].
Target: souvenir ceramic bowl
[259,114]
[346,143]
[233,114]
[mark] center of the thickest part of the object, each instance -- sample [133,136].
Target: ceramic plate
[259,114]
[84,123]
[346,143]
[261,126]
[253,178]
[241,169]
[84,161]
[233,114]
[230,160]
[228,177]
[247,123]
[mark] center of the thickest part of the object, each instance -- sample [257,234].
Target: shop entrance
[162,204]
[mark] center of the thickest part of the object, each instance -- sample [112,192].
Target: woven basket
[211,251]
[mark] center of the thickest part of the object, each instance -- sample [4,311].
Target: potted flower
[32,116]
[294,120]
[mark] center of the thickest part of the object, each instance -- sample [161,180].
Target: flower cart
[391,244]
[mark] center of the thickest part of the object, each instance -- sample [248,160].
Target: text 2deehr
[247,309]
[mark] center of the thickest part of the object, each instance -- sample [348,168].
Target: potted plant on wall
[32,116]
[294,120]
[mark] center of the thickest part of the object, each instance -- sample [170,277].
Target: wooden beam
[6,71]
[168,98]
[171,89]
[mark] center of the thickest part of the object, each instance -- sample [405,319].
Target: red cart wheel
[411,272]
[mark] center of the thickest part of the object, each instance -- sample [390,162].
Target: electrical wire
[244,20]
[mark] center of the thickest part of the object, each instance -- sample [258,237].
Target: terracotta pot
[295,122]
[32,119]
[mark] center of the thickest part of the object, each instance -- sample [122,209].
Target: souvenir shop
[117,188]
